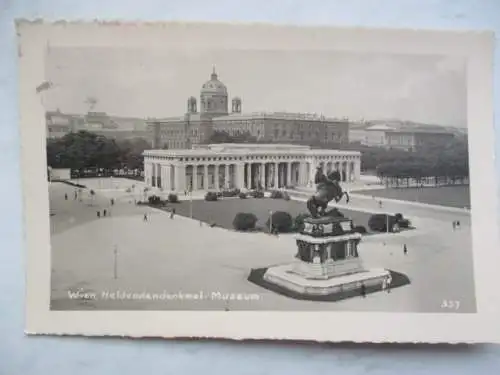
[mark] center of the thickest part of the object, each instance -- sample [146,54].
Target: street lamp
[271,222]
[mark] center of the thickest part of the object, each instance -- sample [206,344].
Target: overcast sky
[157,83]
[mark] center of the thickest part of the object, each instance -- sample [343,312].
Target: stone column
[312,171]
[357,169]
[276,170]
[240,175]
[168,182]
[263,175]
[216,177]
[180,177]
[288,181]
[269,174]
[248,174]
[226,176]
[205,177]
[195,177]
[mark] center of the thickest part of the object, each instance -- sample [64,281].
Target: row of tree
[84,149]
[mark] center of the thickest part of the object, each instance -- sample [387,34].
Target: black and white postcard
[252,181]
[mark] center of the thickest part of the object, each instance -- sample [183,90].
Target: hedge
[378,222]
[244,221]
[257,194]
[276,194]
[154,200]
[211,196]
[242,195]
[173,198]
[280,221]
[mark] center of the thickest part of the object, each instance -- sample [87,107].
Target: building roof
[277,116]
[213,86]
[250,146]
[236,149]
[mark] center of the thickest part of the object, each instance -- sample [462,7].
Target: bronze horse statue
[327,189]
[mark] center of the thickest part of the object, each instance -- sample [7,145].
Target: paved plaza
[195,267]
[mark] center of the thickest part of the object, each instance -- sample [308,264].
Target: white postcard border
[476,47]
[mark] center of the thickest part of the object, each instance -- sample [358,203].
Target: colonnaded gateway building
[217,167]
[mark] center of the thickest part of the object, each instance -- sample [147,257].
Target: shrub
[244,221]
[276,194]
[257,194]
[242,195]
[211,196]
[298,222]
[359,229]
[280,221]
[128,190]
[231,193]
[286,196]
[154,200]
[404,223]
[173,198]
[378,222]
[398,216]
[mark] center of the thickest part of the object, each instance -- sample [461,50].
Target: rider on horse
[327,189]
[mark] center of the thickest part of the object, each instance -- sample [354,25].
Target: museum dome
[214,86]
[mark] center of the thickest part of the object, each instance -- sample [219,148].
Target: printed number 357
[450,304]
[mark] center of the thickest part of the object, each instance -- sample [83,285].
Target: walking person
[454,224]
[75,196]
[104,212]
[380,204]
[458,224]
[172,213]
[363,290]
[145,217]
[66,196]
[112,201]
[388,283]
[405,249]
[98,214]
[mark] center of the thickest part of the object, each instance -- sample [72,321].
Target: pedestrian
[201,223]
[458,224]
[363,290]
[388,283]
[75,196]
[145,217]
[384,284]
[112,201]
[98,214]
[454,224]
[405,249]
[380,204]
[104,212]
[172,213]
[65,196]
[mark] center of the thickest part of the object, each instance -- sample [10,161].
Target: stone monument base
[287,277]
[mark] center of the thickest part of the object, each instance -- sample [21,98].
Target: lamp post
[191,203]
[115,262]
[271,222]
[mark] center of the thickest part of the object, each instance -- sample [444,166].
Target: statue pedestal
[328,261]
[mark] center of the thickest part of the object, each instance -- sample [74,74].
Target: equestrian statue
[327,189]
